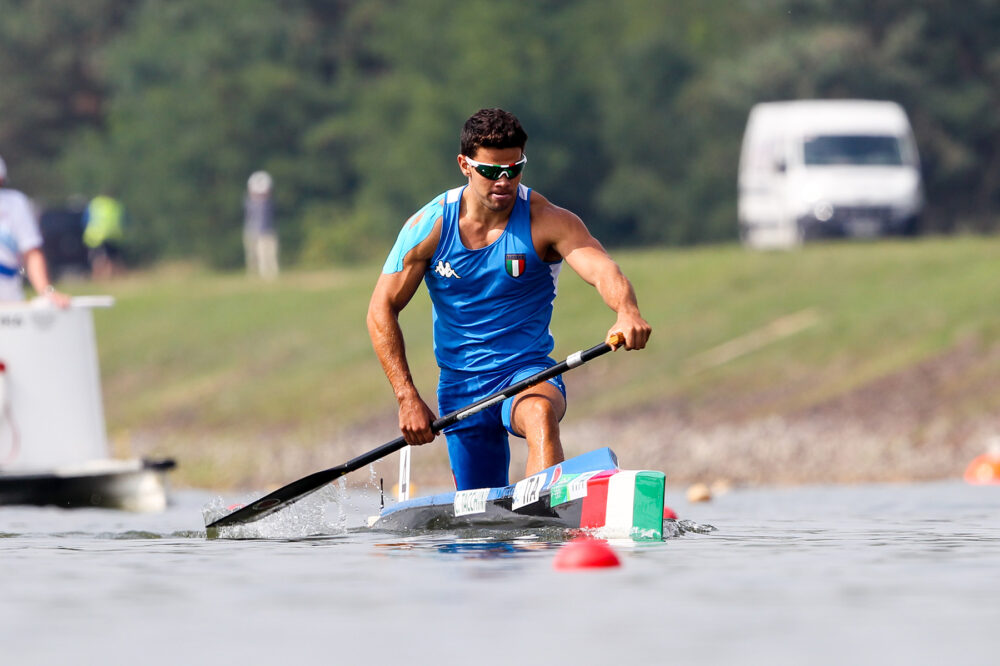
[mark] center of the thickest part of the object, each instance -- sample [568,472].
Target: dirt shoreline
[924,423]
[821,449]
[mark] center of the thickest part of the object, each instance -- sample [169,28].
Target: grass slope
[250,383]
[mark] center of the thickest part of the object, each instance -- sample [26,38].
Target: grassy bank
[840,362]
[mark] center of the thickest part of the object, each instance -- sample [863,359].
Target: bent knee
[533,410]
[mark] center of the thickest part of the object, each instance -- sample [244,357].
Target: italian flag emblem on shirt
[515,265]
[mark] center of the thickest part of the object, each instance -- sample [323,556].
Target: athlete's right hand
[415,419]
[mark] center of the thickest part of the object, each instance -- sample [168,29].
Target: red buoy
[669,513]
[585,553]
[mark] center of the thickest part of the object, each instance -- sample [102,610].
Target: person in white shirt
[21,247]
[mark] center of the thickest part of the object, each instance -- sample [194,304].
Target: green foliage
[634,110]
[334,234]
[196,109]
[51,84]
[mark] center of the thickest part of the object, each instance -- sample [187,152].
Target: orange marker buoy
[983,470]
[669,513]
[585,553]
[699,492]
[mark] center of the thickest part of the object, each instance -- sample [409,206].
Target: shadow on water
[472,550]
[474,544]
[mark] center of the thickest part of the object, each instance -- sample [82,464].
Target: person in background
[490,253]
[103,231]
[260,241]
[21,248]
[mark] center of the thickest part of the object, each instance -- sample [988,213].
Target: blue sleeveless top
[492,306]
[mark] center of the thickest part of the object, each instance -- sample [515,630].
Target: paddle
[296,490]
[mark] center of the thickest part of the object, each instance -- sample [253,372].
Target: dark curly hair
[492,128]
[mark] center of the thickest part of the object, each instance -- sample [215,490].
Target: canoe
[588,492]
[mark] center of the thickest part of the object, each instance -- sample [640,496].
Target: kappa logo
[444,269]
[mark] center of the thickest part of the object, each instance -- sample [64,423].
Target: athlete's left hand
[635,329]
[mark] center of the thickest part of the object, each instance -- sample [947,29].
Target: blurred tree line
[635,110]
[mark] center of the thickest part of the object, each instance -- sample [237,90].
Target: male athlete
[490,253]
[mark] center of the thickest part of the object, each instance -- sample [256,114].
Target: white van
[822,168]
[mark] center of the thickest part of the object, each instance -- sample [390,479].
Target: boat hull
[587,492]
[131,485]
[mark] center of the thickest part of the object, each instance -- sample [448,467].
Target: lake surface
[874,574]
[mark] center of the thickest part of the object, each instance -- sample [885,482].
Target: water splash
[318,514]
[689,526]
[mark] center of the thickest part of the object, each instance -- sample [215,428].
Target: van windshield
[846,149]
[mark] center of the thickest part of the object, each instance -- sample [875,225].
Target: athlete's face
[496,195]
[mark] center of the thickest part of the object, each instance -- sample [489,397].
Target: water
[862,575]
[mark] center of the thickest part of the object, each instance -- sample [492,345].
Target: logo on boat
[266,504]
[444,269]
[577,488]
[471,501]
[11,321]
[43,320]
[515,265]
[527,491]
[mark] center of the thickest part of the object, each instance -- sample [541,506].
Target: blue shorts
[477,445]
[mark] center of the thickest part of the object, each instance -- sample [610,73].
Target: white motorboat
[53,442]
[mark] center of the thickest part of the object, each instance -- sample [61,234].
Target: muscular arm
[392,293]
[569,238]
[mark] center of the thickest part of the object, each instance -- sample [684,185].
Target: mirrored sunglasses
[497,171]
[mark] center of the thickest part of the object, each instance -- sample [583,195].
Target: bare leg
[535,415]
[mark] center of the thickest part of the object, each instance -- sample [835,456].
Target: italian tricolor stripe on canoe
[623,504]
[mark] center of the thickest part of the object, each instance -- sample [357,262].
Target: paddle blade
[280,498]
[296,490]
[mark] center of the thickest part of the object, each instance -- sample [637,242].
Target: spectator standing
[260,240]
[103,232]
[21,248]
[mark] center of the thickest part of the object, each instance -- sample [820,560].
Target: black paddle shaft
[296,490]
